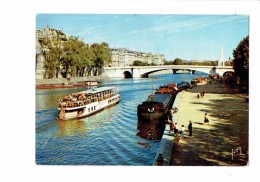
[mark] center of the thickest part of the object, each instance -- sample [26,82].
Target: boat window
[69,111]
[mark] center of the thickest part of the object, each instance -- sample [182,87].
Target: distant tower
[221,60]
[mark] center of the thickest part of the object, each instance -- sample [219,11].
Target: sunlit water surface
[106,138]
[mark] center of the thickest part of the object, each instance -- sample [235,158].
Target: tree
[52,62]
[168,63]
[74,58]
[178,61]
[241,60]
[140,63]
[101,55]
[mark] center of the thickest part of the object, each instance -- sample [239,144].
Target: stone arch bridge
[144,71]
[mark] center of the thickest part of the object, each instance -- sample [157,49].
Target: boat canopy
[162,98]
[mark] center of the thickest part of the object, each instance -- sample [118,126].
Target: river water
[106,138]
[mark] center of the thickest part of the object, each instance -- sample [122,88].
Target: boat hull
[154,112]
[87,110]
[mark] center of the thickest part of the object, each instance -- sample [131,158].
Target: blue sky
[176,36]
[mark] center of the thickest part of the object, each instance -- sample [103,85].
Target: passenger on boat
[73,100]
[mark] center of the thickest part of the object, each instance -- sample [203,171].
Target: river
[106,138]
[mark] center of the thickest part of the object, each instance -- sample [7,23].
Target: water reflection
[48,98]
[71,127]
[150,131]
[109,137]
[84,125]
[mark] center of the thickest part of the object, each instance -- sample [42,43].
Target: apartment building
[122,57]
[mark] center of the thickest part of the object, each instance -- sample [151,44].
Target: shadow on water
[85,125]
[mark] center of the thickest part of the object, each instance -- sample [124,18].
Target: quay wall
[64,80]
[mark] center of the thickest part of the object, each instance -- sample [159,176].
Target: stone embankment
[71,80]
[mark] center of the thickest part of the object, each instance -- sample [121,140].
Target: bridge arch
[229,74]
[128,74]
[145,75]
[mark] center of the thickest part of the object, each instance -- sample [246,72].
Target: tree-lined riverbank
[212,144]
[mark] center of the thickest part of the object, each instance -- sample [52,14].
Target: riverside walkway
[222,142]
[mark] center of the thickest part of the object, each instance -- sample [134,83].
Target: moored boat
[91,83]
[183,86]
[86,103]
[68,85]
[154,109]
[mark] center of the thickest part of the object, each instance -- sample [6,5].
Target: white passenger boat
[85,103]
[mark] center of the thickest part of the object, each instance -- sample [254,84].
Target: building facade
[44,37]
[122,57]
[51,34]
[39,61]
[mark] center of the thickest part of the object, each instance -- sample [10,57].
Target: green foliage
[178,61]
[204,63]
[140,63]
[74,57]
[241,60]
[52,62]
[101,55]
[168,62]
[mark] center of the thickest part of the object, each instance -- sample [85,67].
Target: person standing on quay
[190,128]
[175,129]
[182,131]
[173,112]
[170,122]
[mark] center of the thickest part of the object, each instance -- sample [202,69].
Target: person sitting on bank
[206,120]
[198,95]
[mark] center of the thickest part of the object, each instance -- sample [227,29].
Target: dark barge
[152,113]
[154,109]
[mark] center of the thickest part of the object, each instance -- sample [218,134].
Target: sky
[189,37]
